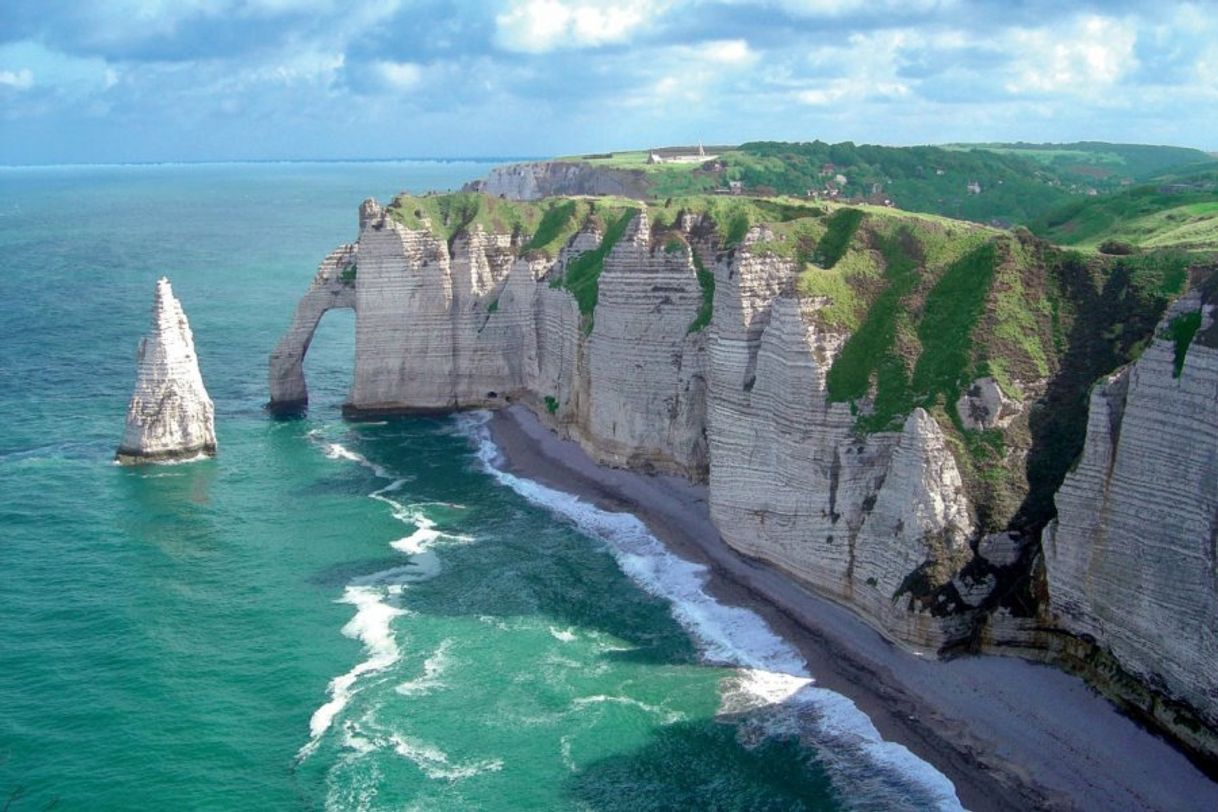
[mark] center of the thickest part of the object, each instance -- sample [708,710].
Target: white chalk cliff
[170,416]
[1131,559]
[880,521]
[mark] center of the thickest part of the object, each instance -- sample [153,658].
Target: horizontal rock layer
[879,521]
[170,416]
[1131,560]
[533,181]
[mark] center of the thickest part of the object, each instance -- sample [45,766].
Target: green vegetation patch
[450,215]
[1180,215]
[924,179]
[734,216]
[551,404]
[584,271]
[1020,319]
[347,277]
[1182,330]
[840,228]
[706,280]
[541,227]
[953,308]
[1097,160]
[870,350]
[557,226]
[841,311]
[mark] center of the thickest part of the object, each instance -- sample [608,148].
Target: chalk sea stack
[170,417]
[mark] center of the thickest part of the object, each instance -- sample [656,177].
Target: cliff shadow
[1114,315]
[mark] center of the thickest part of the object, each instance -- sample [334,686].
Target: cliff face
[879,521]
[894,488]
[1131,560]
[533,181]
[170,416]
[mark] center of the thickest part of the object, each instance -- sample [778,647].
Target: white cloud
[538,26]
[1090,55]
[727,52]
[841,8]
[854,88]
[400,75]
[18,79]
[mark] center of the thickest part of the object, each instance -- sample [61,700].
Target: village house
[681,157]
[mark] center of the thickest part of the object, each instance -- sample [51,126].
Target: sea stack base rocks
[170,417]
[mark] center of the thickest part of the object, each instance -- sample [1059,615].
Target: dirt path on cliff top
[1010,734]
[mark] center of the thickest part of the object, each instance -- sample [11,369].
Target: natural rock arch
[333,287]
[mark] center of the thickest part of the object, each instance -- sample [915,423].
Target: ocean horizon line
[480,159]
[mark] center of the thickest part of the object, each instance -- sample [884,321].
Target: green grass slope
[1099,164]
[931,304]
[1175,211]
[1011,184]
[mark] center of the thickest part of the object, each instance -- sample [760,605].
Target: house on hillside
[678,157]
[974,188]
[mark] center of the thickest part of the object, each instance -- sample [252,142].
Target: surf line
[373,596]
[771,674]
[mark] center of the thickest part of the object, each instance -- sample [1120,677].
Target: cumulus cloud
[538,26]
[21,79]
[1080,59]
[399,75]
[727,52]
[585,75]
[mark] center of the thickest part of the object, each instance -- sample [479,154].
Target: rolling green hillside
[1097,164]
[1004,184]
[1177,211]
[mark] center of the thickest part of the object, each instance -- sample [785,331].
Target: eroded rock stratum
[890,408]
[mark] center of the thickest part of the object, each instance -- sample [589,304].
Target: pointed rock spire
[170,416]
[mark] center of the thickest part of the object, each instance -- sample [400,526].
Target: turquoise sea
[337,615]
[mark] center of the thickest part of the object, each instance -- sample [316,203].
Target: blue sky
[150,80]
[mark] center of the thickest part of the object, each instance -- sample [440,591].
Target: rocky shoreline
[1010,734]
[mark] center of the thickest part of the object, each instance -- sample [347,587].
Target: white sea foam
[563,635]
[564,748]
[773,672]
[370,594]
[338,451]
[371,626]
[666,715]
[178,461]
[436,764]
[434,667]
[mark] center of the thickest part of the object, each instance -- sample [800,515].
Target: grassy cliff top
[1009,183]
[930,304]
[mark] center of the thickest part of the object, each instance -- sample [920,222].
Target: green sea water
[338,615]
